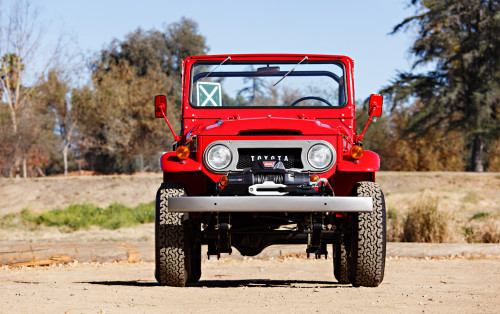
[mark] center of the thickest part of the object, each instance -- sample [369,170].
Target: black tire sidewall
[365,269]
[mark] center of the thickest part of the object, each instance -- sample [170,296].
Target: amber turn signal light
[223,180]
[357,152]
[313,178]
[182,152]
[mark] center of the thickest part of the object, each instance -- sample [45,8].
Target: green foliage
[85,215]
[468,233]
[462,93]
[118,122]
[480,216]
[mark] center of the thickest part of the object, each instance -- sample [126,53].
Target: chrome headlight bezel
[330,157]
[210,163]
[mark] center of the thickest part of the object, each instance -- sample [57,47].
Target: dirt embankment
[47,193]
[461,196]
[465,193]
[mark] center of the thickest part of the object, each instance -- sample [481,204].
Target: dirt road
[254,285]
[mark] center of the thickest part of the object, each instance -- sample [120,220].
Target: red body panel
[170,163]
[334,125]
[306,127]
[193,116]
[370,162]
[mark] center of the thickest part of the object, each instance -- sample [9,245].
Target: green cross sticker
[209,94]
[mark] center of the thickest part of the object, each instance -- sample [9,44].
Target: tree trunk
[15,168]
[25,168]
[65,160]
[477,154]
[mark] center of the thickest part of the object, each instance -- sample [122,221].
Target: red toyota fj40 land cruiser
[268,154]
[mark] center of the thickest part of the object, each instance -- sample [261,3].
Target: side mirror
[161,112]
[160,106]
[375,110]
[376,101]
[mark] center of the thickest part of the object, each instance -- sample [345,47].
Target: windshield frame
[278,75]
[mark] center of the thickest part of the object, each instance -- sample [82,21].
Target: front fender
[370,162]
[169,162]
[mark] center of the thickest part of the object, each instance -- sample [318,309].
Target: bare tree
[20,34]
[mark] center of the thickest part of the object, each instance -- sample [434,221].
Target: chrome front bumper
[269,204]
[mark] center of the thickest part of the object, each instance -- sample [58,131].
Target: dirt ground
[293,285]
[442,278]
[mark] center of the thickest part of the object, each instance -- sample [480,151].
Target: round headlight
[320,156]
[219,157]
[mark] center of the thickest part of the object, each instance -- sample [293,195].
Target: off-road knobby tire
[340,262]
[366,256]
[170,233]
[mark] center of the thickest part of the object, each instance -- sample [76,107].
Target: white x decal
[209,96]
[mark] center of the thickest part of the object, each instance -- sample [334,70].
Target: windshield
[267,84]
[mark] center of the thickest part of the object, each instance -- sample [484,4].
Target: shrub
[482,231]
[425,223]
[85,215]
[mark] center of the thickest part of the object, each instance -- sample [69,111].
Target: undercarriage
[250,233]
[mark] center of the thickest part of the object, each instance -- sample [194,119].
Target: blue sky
[358,29]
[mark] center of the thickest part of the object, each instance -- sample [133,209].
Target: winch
[267,178]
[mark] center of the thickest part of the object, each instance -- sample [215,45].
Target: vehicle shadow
[249,283]
[131,283]
[264,283]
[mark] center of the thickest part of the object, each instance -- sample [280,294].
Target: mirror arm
[163,112]
[370,119]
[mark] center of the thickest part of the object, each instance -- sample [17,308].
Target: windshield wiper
[227,59]
[305,58]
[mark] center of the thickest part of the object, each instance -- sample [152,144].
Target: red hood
[237,126]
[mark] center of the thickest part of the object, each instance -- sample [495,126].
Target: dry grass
[424,222]
[464,206]
[485,230]
[395,226]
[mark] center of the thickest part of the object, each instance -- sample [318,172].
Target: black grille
[290,157]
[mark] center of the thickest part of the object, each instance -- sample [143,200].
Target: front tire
[368,239]
[170,235]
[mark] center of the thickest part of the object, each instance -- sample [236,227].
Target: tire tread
[368,241]
[169,238]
